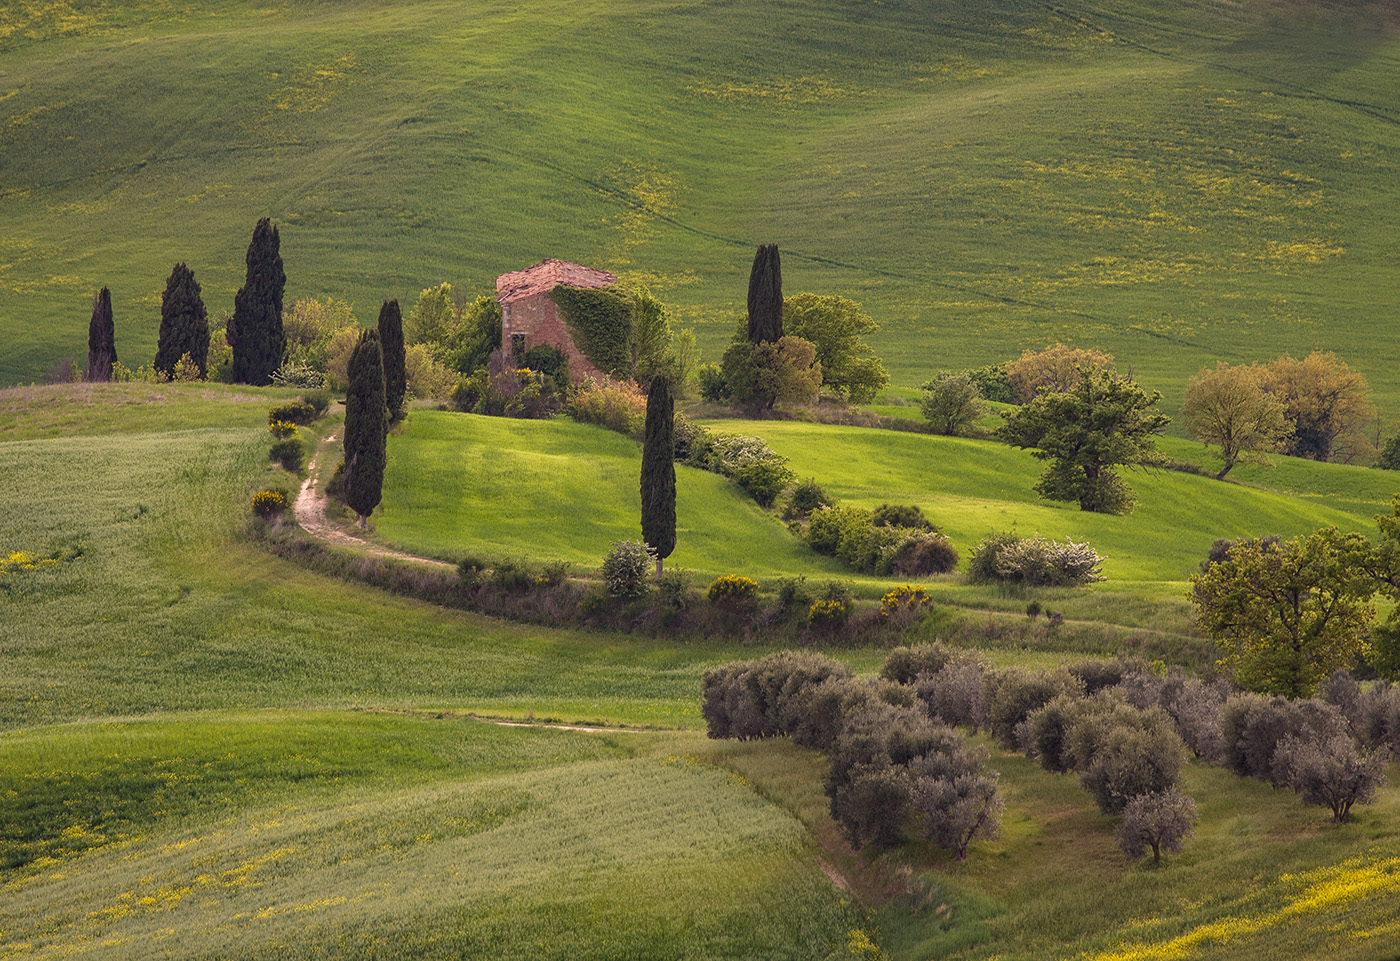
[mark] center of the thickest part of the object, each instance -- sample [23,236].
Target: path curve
[310,512]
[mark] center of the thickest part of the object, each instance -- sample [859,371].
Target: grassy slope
[1174,183]
[186,762]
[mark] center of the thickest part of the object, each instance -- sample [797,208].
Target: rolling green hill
[210,752]
[1176,183]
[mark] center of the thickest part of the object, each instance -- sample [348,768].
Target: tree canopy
[1229,408]
[1102,423]
[765,296]
[835,327]
[102,350]
[184,324]
[1057,368]
[1285,614]
[659,472]
[1328,403]
[255,329]
[366,423]
[391,343]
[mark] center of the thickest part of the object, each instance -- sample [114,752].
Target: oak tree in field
[1229,408]
[366,426]
[659,472]
[184,324]
[835,327]
[391,342]
[255,329]
[102,350]
[765,296]
[1087,432]
[1287,614]
[1328,403]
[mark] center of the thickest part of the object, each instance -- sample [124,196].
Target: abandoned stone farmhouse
[530,317]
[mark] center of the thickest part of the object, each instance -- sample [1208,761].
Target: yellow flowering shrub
[733,589]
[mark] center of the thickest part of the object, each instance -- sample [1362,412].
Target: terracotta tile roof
[545,276]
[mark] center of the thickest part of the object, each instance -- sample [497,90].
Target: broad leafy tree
[1229,408]
[184,324]
[1087,432]
[1284,615]
[659,472]
[1057,367]
[391,342]
[759,375]
[952,405]
[102,349]
[255,329]
[765,296]
[366,427]
[835,327]
[1328,403]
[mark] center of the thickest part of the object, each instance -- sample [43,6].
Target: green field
[209,752]
[1175,183]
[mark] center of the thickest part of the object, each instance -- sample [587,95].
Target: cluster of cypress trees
[184,324]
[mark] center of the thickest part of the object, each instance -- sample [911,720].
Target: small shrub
[1033,610]
[693,443]
[290,453]
[1034,561]
[292,412]
[617,405]
[763,480]
[804,498]
[512,576]
[1161,821]
[830,526]
[317,400]
[922,555]
[732,590]
[673,590]
[297,374]
[794,593]
[900,515]
[904,665]
[625,568]
[827,615]
[269,503]
[905,600]
[282,429]
[954,694]
[712,385]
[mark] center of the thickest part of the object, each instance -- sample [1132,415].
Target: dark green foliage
[290,453]
[659,472]
[920,555]
[953,406]
[805,497]
[255,329]
[551,362]
[366,427]
[763,480]
[601,322]
[102,348]
[765,296]
[712,385]
[835,326]
[1220,550]
[292,412]
[693,443]
[184,325]
[1087,432]
[1389,456]
[317,400]
[900,515]
[391,342]
[759,375]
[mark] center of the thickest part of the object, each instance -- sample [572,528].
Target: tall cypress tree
[102,332]
[391,341]
[255,329]
[659,471]
[766,296]
[366,426]
[184,325]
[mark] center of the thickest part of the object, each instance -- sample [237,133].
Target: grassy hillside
[1175,183]
[208,752]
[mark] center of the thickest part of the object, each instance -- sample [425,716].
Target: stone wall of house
[537,319]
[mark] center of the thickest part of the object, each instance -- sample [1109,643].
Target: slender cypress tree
[391,341]
[766,296]
[102,347]
[184,325]
[255,329]
[659,471]
[366,426]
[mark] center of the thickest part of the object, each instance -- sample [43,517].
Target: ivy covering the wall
[602,323]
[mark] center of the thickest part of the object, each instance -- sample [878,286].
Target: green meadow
[206,751]
[1175,183]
